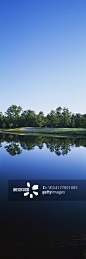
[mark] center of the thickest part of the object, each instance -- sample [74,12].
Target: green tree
[84,121]
[48,120]
[13,113]
[53,118]
[10,125]
[59,116]
[29,118]
[66,117]
[41,119]
[73,121]
[1,119]
[4,125]
[78,123]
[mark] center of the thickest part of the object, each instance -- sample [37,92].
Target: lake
[44,228]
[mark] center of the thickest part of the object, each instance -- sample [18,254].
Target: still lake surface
[42,228]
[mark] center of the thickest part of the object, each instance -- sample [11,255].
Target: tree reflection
[13,149]
[60,145]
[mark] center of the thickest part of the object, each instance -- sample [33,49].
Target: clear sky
[43,54]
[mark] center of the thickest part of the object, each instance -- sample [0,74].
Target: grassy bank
[59,131]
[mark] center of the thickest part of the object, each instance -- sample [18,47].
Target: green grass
[59,131]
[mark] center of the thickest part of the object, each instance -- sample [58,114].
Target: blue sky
[43,54]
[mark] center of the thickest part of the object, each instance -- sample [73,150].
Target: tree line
[15,117]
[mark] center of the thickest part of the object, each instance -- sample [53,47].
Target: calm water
[46,229]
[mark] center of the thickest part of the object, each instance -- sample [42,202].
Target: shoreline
[79,132]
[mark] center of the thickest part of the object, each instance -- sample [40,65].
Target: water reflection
[13,149]
[58,228]
[60,145]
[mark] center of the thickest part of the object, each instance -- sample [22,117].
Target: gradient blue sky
[43,54]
